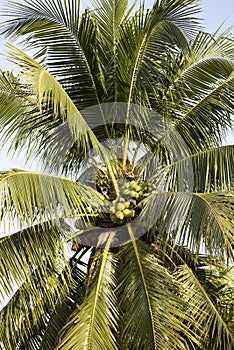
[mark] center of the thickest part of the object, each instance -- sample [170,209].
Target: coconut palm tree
[124,238]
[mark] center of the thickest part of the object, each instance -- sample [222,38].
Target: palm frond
[18,257]
[54,106]
[47,336]
[200,114]
[148,34]
[198,221]
[52,27]
[216,331]
[43,85]
[213,169]
[109,14]
[35,275]
[221,207]
[94,324]
[205,171]
[208,45]
[219,284]
[152,312]
[30,197]
[15,106]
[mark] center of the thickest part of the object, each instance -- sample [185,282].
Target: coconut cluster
[123,208]
[128,204]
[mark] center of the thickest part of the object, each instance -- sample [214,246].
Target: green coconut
[133,194]
[138,188]
[129,213]
[127,205]
[120,206]
[134,184]
[119,214]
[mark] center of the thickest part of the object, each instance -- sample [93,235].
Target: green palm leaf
[196,89]
[47,336]
[148,35]
[52,26]
[94,324]
[31,197]
[16,105]
[152,311]
[208,45]
[35,276]
[200,301]
[196,220]
[109,16]
[48,99]
[205,171]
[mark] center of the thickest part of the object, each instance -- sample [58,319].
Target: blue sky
[215,12]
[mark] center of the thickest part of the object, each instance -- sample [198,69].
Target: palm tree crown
[125,239]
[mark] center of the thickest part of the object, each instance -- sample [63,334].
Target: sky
[215,12]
